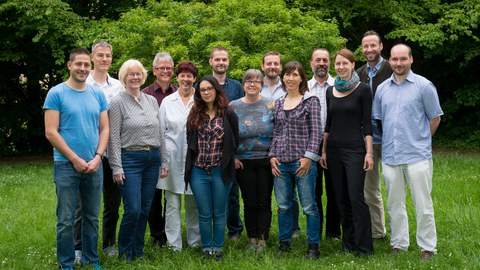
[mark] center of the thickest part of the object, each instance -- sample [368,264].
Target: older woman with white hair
[136,152]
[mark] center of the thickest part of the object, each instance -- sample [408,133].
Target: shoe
[261,245]
[396,251]
[111,251]
[217,255]
[234,237]
[207,254]
[78,256]
[283,248]
[426,255]
[159,243]
[97,266]
[251,246]
[312,251]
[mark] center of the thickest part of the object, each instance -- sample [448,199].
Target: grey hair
[252,73]
[162,56]
[101,44]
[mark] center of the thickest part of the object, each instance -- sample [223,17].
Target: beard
[321,72]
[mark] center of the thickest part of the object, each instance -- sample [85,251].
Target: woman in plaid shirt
[212,138]
[293,155]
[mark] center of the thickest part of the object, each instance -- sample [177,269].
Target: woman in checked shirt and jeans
[293,155]
[212,138]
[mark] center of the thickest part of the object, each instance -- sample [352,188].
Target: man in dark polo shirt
[163,68]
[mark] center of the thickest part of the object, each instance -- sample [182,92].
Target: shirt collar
[377,66]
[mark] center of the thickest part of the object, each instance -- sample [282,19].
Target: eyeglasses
[252,82]
[164,68]
[134,74]
[207,89]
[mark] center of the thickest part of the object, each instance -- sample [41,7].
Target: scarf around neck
[346,85]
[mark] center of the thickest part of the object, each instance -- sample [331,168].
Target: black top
[349,117]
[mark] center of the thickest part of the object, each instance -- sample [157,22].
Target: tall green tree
[36,37]
[248,28]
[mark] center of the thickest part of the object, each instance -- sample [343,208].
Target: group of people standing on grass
[206,139]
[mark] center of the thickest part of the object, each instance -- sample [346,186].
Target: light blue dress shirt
[405,110]
[372,72]
[277,92]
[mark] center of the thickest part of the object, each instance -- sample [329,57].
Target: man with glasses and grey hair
[102,60]
[163,68]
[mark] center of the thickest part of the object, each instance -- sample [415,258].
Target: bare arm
[52,121]
[434,123]
[104,133]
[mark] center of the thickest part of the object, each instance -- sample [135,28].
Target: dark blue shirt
[233,89]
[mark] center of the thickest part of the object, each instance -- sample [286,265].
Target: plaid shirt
[210,144]
[298,135]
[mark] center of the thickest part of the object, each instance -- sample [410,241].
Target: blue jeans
[69,184]
[141,169]
[211,197]
[284,195]
[234,222]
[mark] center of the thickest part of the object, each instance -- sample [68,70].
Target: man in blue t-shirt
[76,124]
[219,61]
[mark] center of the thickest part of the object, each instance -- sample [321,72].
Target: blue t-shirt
[255,124]
[79,118]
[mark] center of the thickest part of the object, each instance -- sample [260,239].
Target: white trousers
[173,213]
[419,177]
[373,195]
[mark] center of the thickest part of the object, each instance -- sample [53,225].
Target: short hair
[162,56]
[271,53]
[101,44]
[78,51]
[291,67]
[347,54]
[187,67]
[373,33]
[217,48]
[319,49]
[252,73]
[403,44]
[127,66]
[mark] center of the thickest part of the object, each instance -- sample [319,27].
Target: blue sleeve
[431,102]
[53,100]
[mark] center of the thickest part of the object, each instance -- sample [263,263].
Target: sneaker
[234,237]
[97,266]
[312,251]
[261,245]
[283,248]
[207,254]
[78,256]
[217,255]
[111,251]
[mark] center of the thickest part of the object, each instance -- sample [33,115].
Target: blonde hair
[127,66]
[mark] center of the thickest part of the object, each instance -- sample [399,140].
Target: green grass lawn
[27,228]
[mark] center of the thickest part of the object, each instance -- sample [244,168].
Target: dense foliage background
[37,35]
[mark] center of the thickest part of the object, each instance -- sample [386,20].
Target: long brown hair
[198,113]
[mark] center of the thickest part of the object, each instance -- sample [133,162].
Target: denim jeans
[211,197]
[69,184]
[141,169]
[284,195]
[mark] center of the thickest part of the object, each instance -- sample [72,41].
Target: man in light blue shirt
[408,107]
[272,84]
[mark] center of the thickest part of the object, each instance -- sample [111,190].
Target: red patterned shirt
[210,144]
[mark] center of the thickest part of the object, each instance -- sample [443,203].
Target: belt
[140,148]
